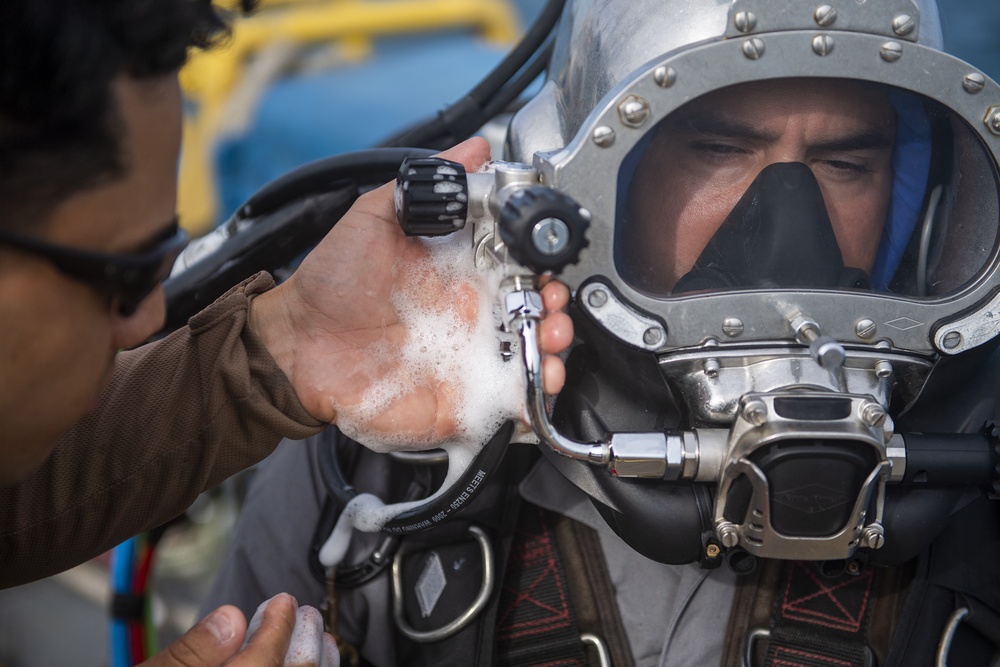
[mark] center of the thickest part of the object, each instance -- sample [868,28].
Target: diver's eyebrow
[719,125]
[868,138]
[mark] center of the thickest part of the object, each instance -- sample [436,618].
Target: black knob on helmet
[543,229]
[432,196]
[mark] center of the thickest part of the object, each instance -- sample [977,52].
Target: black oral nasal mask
[778,235]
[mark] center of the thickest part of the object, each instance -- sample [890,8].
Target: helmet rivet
[883,369]
[952,339]
[652,336]
[604,136]
[753,48]
[891,51]
[825,15]
[745,21]
[664,76]
[822,45]
[633,111]
[597,298]
[865,328]
[973,82]
[732,326]
[903,25]
[712,367]
[992,119]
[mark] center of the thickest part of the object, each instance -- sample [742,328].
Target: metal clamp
[463,619]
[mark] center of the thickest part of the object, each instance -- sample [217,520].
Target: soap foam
[461,357]
[457,359]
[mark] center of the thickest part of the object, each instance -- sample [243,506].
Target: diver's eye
[715,148]
[847,166]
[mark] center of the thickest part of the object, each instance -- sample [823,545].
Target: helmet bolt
[903,25]
[745,21]
[952,339]
[872,414]
[597,298]
[891,51]
[993,119]
[727,534]
[883,369]
[604,136]
[755,412]
[865,328]
[874,536]
[633,111]
[822,45]
[712,367]
[652,336]
[664,76]
[825,15]
[973,82]
[753,48]
[732,326]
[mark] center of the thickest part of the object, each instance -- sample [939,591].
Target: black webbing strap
[536,623]
[591,590]
[821,621]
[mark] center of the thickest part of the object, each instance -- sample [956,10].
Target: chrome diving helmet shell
[769,363]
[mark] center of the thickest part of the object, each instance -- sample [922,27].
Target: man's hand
[279,634]
[217,639]
[320,324]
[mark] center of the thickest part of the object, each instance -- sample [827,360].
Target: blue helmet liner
[911,162]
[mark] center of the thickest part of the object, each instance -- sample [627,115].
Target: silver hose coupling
[647,455]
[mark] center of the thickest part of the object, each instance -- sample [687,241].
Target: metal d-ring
[751,638]
[603,656]
[868,658]
[445,631]
[948,634]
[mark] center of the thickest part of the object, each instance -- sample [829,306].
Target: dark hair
[60,130]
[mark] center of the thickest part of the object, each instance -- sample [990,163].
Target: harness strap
[792,615]
[536,623]
[557,594]
[591,589]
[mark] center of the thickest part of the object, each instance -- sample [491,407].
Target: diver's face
[705,156]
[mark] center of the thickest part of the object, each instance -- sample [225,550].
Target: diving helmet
[781,235]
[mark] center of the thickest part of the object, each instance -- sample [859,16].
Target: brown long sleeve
[179,416]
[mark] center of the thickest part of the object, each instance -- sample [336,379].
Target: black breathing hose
[278,223]
[494,93]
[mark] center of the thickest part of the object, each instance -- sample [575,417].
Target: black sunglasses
[127,278]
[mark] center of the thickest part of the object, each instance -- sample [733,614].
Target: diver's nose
[778,235]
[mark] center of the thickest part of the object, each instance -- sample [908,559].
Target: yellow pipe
[210,77]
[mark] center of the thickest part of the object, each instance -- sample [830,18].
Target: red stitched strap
[821,621]
[536,624]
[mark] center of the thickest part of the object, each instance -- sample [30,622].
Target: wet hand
[324,322]
[280,633]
